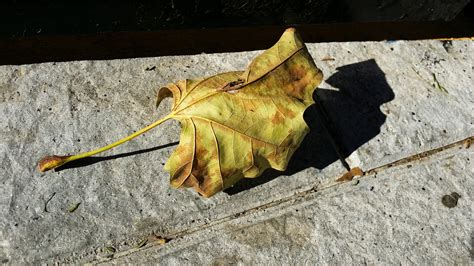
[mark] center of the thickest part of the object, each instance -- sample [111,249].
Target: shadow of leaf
[95,159]
[349,116]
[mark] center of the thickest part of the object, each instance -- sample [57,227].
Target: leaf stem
[51,162]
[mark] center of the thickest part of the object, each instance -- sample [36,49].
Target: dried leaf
[238,124]
[356,171]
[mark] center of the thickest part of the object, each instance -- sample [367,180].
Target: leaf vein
[222,125]
[218,154]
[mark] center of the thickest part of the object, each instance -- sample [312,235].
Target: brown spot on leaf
[201,151]
[288,112]
[297,72]
[181,151]
[181,175]
[277,118]
[199,172]
[191,181]
[249,156]
[299,81]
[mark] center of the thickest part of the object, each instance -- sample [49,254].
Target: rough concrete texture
[394,217]
[384,102]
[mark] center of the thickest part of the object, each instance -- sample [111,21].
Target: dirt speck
[451,200]
[328,58]
[467,143]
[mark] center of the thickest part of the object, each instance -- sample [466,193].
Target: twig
[46,203]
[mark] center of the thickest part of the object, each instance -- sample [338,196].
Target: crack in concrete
[297,197]
[420,156]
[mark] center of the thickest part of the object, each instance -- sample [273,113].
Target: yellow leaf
[237,124]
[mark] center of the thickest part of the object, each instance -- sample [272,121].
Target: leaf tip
[51,162]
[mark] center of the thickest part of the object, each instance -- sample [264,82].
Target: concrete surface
[383,107]
[394,217]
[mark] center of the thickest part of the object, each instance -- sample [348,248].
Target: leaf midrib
[243,86]
[230,128]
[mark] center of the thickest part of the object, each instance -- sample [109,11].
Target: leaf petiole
[54,161]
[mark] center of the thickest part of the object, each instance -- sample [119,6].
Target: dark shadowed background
[42,31]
